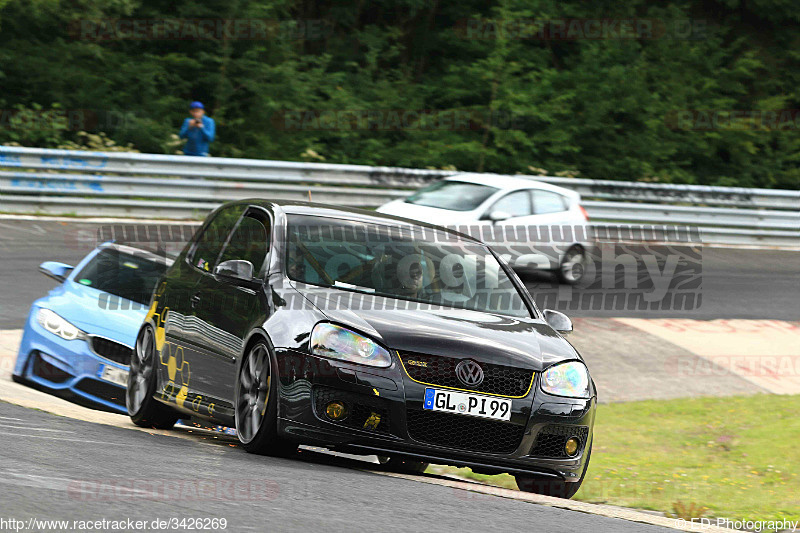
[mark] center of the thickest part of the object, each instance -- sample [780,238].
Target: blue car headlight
[336,342]
[55,324]
[569,379]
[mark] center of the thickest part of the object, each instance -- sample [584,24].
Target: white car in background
[531,224]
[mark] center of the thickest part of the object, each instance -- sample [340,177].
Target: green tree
[603,108]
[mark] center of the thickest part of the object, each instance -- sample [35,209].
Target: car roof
[510,183]
[348,213]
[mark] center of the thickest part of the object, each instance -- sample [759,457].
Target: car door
[532,235]
[509,237]
[228,309]
[556,225]
[550,208]
[181,367]
[530,207]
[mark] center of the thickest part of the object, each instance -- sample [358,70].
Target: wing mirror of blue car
[499,216]
[57,271]
[558,321]
[238,271]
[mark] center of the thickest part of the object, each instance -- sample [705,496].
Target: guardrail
[36,180]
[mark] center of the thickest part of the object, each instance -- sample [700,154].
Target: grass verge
[738,457]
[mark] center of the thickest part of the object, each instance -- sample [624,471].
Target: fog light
[335,410]
[571,447]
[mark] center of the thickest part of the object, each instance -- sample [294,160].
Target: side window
[210,242]
[250,241]
[548,202]
[516,204]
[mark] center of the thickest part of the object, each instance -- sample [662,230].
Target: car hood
[451,332]
[96,312]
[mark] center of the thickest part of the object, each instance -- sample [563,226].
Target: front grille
[551,439]
[106,391]
[463,432]
[114,351]
[359,409]
[440,370]
[45,370]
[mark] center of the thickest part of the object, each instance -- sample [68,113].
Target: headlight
[336,342]
[567,379]
[58,326]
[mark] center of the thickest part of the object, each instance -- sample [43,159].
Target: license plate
[465,403]
[114,375]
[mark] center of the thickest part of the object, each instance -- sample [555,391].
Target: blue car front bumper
[49,361]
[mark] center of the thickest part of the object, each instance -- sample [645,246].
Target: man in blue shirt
[198,131]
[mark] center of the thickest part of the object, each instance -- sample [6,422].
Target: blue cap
[196,105]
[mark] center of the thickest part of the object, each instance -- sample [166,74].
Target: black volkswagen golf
[300,323]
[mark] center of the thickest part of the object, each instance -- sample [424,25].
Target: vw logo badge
[469,373]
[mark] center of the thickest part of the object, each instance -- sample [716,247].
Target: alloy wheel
[573,267]
[254,386]
[141,370]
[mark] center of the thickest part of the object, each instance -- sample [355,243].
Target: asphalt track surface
[728,283]
[56,468]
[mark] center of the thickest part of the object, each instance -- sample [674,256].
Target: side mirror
[558,321]
[499,216]
[235,268]
[57,271]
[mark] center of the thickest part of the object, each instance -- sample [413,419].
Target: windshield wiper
[350,286]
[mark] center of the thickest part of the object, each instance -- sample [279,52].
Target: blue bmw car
[78,339]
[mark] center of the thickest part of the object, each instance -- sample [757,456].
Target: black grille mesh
[106,391]
[359,408]
[114,351]
[45,370]
[463,432]
[551,439]
[439,370]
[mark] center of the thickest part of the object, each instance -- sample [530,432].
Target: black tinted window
[249,242]
[213,238]
[127,275]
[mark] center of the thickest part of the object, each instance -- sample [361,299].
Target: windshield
[452,195]
[126,275]
[407,263]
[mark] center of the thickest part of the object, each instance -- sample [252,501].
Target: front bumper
[51,362]
[486,446]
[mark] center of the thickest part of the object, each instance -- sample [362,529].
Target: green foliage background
[599,107]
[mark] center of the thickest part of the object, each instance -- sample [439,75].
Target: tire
[256,404]
[144,410]
[551,487]
[573,266]
[402,466]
